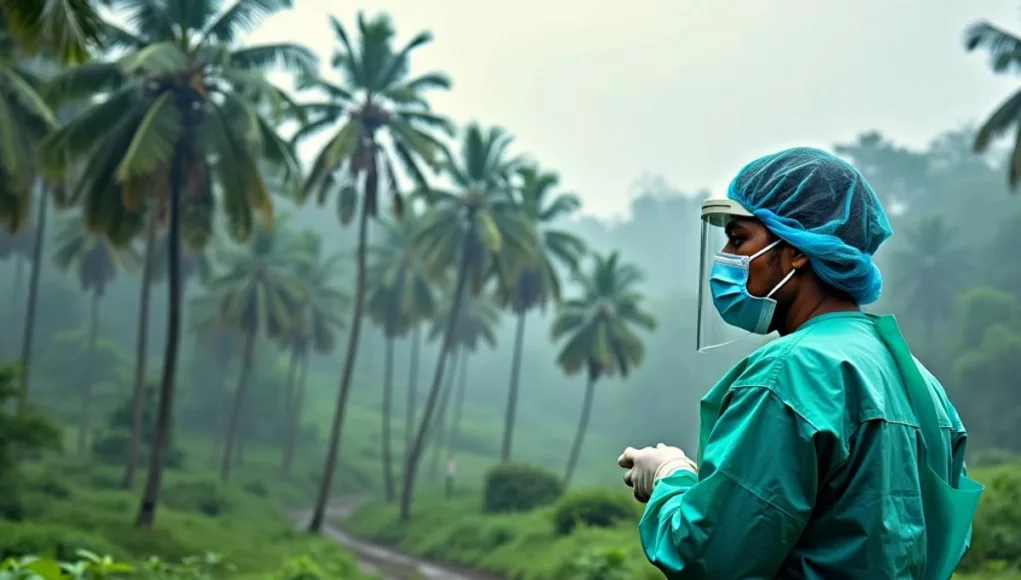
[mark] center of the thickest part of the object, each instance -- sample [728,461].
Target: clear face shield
[712,332]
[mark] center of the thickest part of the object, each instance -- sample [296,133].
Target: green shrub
[996,535]
[600,564]
[51,485]
[62,543]
[596,508]
[516,488]
[256,488]
[112,447]
[202,496]
[320,564]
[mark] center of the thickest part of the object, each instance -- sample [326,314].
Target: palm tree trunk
[234,422]
[455,424]
[387,414]
[586,413]
[219,428]
[434,390]
[19,276]
[84,419]
[141,353]
[33,297]
[330,465]
[289,393]
[437,435]
[295,421]
[409,419]
[512,393]
[165,405]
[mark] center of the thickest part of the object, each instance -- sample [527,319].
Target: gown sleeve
[741,516]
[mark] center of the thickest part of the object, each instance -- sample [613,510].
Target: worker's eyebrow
[733,225]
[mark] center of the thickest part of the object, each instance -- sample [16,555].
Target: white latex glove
[648,465]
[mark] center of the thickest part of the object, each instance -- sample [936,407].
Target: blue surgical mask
[728,282]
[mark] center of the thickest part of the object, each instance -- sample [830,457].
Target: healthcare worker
[829,452]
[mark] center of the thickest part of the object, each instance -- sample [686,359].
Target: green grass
[70,506]
[517,546]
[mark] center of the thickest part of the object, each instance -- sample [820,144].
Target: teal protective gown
[811,465]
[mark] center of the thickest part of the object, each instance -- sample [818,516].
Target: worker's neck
[808,305]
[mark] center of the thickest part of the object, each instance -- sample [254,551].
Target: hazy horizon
[720,84]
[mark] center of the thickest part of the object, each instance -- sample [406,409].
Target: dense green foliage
[596,508]
[155,131]
[512,487]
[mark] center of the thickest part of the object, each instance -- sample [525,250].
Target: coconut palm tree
[69,29]
[535,284]
[17,247]
[931,269]
[216,341]
[400,298]
[600,330]
[476,323]
[97,262]
[141,355]
[181,108]
[1005,54]
[258,293]
[195,263]
[472,230]
[382,120]
[318,319]
[28,329]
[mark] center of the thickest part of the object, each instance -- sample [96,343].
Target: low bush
[319,565]
[996,536]
[596,508]
[511,487]
[206,497]
[51,540]
[112,447]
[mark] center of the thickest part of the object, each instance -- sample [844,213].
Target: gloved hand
[648,465]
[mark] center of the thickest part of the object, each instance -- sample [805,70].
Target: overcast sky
[689,89]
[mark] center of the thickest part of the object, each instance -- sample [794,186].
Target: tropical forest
[303,290]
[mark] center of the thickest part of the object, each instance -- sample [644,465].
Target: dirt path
[385,562]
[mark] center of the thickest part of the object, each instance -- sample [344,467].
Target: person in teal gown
[829,452]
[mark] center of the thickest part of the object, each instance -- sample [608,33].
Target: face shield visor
[712,332]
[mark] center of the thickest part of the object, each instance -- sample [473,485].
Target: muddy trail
[385,562]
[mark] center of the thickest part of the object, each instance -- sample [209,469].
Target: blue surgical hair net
[823,206]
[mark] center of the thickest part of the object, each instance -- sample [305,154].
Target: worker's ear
[799,261]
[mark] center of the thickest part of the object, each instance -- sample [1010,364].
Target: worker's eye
[736,241]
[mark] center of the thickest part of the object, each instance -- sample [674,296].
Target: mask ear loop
[763,251]
[785,280]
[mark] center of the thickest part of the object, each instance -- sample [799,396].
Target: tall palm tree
[97,262]
[535,284]
[195,263]
[18,247]
[400,297]
[181,108]
[1005,52]
[258,294]
[600,330]
[27,120]
[141,355]
[470,230]
[476,323]
[931,269]
[69,29]
[217,341]
[384,120]
[28,329]
[315,330]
